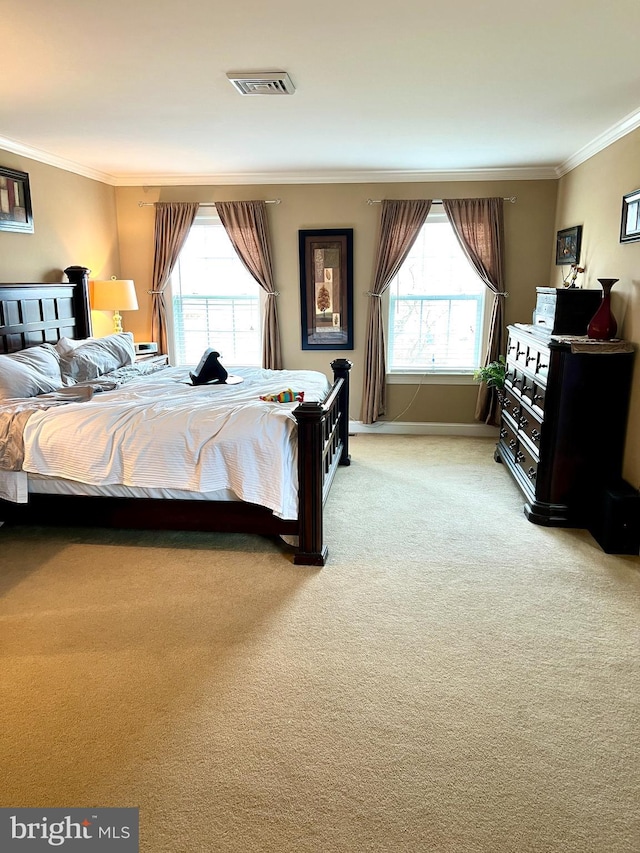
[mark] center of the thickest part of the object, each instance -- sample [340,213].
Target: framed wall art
[630,223]
[326,288]
[15,201]
[568,243]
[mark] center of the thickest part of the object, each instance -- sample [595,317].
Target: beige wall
[74,223]
[82,221]
[529,234]
[591,195]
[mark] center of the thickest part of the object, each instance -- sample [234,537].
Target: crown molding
[52,160]
[525,173]
[626,125]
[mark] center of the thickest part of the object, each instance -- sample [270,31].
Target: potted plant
[493,374]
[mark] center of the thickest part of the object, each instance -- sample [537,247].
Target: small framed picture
[630,224]
[568,243]
[326,288]
[15,201]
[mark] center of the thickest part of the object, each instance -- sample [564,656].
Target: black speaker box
[616,521]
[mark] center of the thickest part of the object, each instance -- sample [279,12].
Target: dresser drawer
[538,396]
[533,392]
[526,386]
[527,463]
[528,357]
[509,399]
[509,437]
[528,381]
[531,426]
[541,368]
[521,353]
[521,381]
[516,411]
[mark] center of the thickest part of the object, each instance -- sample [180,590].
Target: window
[436,306]
[216,302]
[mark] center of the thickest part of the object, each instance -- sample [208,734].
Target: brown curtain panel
[400,224]
[173,223]
[246,224]
[478,224]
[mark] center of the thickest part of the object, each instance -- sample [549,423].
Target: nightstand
[153,358]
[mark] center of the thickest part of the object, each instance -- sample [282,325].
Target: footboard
[323,444]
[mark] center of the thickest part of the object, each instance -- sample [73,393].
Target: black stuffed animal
[209,370]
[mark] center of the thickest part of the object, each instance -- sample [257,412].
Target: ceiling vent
[262,83]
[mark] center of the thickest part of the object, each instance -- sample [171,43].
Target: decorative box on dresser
[563,422]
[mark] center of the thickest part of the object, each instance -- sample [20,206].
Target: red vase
[603,326]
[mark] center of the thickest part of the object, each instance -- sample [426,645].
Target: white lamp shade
[114,295]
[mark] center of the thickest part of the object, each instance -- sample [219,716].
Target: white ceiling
[135,91]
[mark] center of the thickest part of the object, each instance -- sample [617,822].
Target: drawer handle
[512,443]
[531,358]
[524,423]
[506,403]
[531,473]
[512,347]
[537,397]
[516,412]
[519,456]
[542,366]
[535,435]
[503,433]
[527,388]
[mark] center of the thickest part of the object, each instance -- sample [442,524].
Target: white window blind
[436,306]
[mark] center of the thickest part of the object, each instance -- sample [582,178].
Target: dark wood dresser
[563,422]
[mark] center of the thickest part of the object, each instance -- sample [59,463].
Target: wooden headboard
[32,314]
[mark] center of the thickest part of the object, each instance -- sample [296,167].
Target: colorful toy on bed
[286,396]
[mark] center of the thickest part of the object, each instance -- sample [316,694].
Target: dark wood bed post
[312,550]
[317,463]
[341,368]
[79,276]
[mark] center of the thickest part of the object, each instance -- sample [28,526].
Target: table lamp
[114,295]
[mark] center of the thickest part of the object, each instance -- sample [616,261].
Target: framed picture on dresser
[15,201]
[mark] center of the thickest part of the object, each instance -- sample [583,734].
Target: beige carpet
[456,679]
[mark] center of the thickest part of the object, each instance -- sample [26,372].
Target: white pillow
[95,356]
[68,345]
[29,372]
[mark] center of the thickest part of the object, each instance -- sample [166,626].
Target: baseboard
[423,428]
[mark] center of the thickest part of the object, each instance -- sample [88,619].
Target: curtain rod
[204,203]
[513,199]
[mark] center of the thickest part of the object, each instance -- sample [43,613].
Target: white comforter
[160,432]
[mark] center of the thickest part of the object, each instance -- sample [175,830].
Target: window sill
[430,379]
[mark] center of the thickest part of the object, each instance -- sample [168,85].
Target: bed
[32,314]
